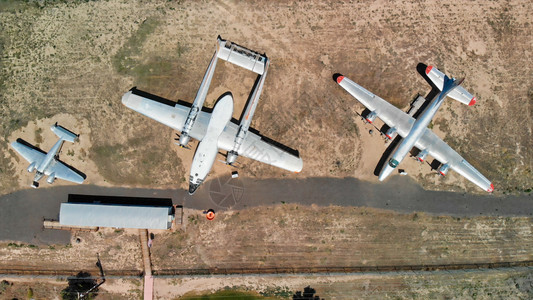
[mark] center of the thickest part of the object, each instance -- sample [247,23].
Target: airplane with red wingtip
[415,132]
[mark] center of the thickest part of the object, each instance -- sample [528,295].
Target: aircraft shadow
[386,154]
[256,83]
[19,140]
[121,200]
[421,69]
[74,169]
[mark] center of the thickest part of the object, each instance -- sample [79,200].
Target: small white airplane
[215,130]
[415,132]
[49,164]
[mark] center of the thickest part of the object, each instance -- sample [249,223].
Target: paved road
[22,212]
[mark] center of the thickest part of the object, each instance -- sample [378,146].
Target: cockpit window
[393,163]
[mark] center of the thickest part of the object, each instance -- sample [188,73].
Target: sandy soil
[298,236]
[482,285]
[71,63]
[42,288]
[287,236]
[80,58]
[118,249]
[38,133]
[413,285]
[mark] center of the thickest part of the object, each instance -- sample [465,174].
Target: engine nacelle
[391,133]
[422,155]
[231,157]
[444,169]
[371,116]
[51,178]
[31,167]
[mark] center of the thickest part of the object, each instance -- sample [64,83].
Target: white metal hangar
[116,215]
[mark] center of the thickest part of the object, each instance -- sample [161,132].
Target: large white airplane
[215,130]
[49,164]
[415,132]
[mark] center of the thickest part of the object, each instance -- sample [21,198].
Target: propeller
[226,163]
[180,145]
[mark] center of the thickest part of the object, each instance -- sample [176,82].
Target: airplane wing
[438,149]
[173,117]
[30,154]
[257,148]
[388,113]
[253,146]
[62,171]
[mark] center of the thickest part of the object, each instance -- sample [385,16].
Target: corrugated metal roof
[119,216]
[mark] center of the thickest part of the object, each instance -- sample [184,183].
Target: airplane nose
[385,172]
[381,177]
[192,188]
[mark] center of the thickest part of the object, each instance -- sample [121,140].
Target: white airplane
[49,164]
[215,130]
[415,132]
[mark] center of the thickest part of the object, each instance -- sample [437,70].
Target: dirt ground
[302,236]
[413,285]
[454,285]
[292,235]
[71,63]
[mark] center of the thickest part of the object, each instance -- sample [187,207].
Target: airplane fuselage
[208,148]
[416,131]
[49,157]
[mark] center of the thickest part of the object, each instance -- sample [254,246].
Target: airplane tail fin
[449,85]
[458,93]
[64,133]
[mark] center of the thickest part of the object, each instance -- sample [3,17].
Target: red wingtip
[472,102]
[428,69]
[442,173]
[491,188]
[339,79]
[388,136]
[420,160]
[369,121]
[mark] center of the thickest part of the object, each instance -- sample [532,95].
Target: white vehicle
[415,132]
[215,130]
[49,164]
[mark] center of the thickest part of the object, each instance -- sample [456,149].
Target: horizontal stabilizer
[458,93]
[241,56]
[64,133]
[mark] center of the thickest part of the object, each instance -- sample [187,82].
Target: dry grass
[301,236]
[81,57]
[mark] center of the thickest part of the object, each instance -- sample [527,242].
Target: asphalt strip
[22,212]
